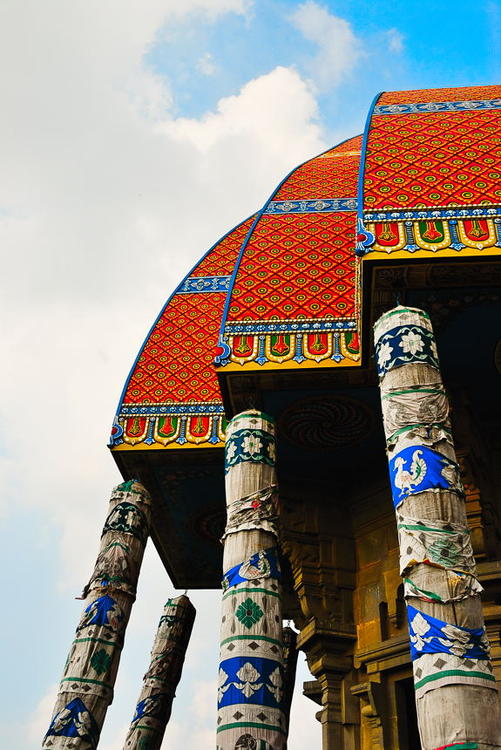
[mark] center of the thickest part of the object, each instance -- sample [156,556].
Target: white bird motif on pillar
[405,479]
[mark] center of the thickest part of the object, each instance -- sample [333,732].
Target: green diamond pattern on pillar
[249,613]
[100,661]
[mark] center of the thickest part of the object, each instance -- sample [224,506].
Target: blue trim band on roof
[218,360]
[465,105]
[134,410]
[311,206]
[237,328]
[197,284]
[190,272]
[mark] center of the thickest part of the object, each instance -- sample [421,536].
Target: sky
[133,134]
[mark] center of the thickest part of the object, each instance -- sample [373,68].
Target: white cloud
[206,65]
[39,721]
[274,117]
[395,41]
[339,50]
[118,741]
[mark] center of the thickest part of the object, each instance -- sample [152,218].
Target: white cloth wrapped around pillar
[154,706]
[449,649]
[251,675]
[86,688]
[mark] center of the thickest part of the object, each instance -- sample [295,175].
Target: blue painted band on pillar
[264,564]
[418,468]
[404,345]
[431,636]
[249,444]
[248,679]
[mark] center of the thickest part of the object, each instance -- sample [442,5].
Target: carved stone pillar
[450,652]
[331,670]
[86,688]
[318,545]
[289,639]
[154,706]
[373,709]
[251,674]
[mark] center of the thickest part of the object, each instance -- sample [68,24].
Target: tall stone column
[251,675]
[86,688]
[289,639]
[154,706]
[456,696]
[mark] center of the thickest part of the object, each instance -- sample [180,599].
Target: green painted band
[420,527]
[131,491]
[87,679]
[250,414]
[251,591]
[252,638]
[454,673]
[253,725]
[401,310]
[97,640]
[405,391]
[430,594]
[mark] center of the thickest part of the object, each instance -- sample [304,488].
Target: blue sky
[134,134]
[401,45]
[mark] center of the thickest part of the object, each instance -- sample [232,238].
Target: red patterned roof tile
[318,181]
[175,364]
[433,159]
[461,93]
[319,178]
[297,266]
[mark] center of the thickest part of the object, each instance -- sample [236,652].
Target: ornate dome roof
[283,289]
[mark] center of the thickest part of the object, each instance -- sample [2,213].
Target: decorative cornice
[237,328]
[134,410]
[437,212]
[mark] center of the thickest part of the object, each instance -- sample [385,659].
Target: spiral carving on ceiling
[326,422]
[211,524]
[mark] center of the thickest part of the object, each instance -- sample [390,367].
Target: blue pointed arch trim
[361,245]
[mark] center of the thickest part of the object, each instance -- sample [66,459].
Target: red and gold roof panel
[320,177]
[297,266]
[172,397]
[294,297]
[431,177]
[432,159]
